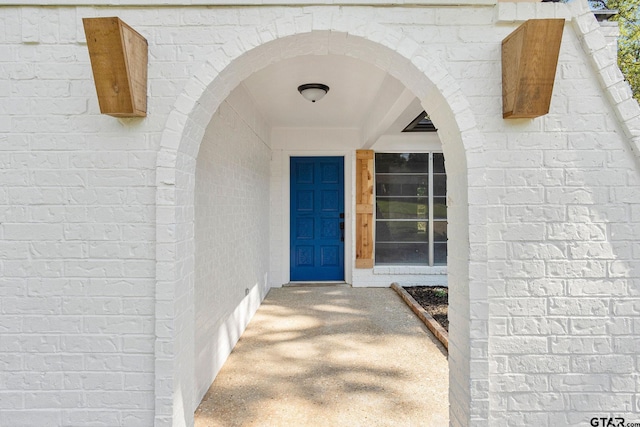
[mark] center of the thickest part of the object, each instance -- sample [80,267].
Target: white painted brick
[51,324]
[11,401]
[140,344]
[595,402]
[539,326]
[518,345]
[579,232]
[626,307]
[48,418]
[585,214]
[546,401]
[119,362]
[551,250]
[552,364]
[517,196]
[622,383]
[139,381]
[626,345]
[27,232]
[517,232]
[91,343]
[88,417]
[580,383]
[521,383]
[570,269]
[546,287]
[580,345]
[624,231]
[607,363]
[584,287]
[30,343]
[79,187]
[623,194]
[519,307]
[53,362]
[37,268]
[32,305]
[578,306]
[620,326]
[531,213]
[61,399]
[115,324]
[137,418]
[128,399]
[50,214]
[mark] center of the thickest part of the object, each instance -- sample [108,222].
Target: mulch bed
[435,300]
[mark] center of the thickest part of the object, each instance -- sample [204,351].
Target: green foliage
[629,41]
[441,293]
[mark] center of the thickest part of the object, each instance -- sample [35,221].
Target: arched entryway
[319,32]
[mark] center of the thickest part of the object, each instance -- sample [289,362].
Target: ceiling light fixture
[313,91]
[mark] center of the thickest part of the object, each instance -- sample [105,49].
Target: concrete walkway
[331,356]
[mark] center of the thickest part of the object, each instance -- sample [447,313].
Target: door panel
[317,224]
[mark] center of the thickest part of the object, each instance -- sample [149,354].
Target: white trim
[230,330]
[408,142]
[431,256]
[204,3]
[405,270]
[421,269]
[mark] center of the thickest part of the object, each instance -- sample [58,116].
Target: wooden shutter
[364,209]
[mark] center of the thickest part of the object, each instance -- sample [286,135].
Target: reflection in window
[411,211]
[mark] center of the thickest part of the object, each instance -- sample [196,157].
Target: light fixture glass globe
[313,91]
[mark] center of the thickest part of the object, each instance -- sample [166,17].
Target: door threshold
[316,284]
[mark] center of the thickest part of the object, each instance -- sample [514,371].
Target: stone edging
[436,329]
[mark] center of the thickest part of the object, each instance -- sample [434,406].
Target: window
[411,209]
[422,123]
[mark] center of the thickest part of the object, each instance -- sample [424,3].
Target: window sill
[410,270]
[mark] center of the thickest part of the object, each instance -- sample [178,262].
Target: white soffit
[354,87]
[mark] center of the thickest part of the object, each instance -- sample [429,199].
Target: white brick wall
[100,267]
[560,271]
[77,241]
[232,231]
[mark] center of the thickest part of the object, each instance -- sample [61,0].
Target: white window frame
[430,231]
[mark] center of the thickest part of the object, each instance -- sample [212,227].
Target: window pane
[401,231]
[440,207]
[439,231]
[402,253]
[402,162]
[438,163]
[402,208]
[440,253]
[402,185]
[439,185]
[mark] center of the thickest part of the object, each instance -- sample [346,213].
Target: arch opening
[178,266]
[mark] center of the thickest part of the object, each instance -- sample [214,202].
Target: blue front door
[317,218]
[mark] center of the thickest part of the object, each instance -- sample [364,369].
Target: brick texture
[106,230]
[231,229]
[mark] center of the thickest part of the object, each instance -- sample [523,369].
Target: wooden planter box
[118,56]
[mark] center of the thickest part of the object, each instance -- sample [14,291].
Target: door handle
[342,231]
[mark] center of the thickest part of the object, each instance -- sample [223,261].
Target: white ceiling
[355,87]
